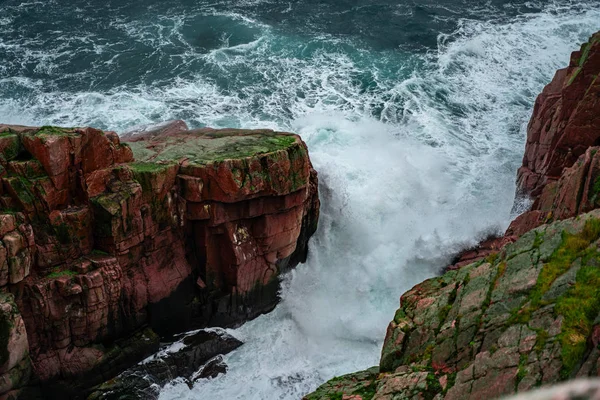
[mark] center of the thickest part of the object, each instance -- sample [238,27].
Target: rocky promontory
[523,310]
[110,245]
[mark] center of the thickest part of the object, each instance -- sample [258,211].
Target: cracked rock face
[526,316]
[565,121]
[107,245]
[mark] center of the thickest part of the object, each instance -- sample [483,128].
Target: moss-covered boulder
[527,316]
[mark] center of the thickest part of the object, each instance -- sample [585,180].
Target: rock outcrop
[522,310]
[529,315]
[107,246]
[565,121]
[195,356]
[559,175]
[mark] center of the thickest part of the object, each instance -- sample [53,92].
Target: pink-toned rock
[149,131]
[50,149]
[564,122]
[14,346]
[576,192]
[482,250]
[7,223]
[195,231]
[96,150]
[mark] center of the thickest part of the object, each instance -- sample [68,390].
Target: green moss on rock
[204,149]
[59,273]
[54,131]
[549,278]
[10,147]
[361,383]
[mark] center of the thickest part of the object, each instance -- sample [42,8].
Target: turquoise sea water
[414,113]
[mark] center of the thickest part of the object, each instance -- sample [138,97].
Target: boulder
[195,356]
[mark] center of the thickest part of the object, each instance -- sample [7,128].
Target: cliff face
[523,310]
[562,133]
[101,253]
[565,121]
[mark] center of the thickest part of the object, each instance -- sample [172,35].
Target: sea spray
[414,116]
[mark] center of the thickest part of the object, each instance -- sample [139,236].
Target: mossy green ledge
[522,318]
[232,164]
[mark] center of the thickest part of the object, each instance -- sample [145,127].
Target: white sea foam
[416,156]
[398,196]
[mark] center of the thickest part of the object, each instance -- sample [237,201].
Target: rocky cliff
[107,246]
[523,310]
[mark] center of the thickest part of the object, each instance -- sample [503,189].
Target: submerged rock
[194,357]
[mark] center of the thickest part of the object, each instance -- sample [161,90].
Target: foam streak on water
[417,150]
[401,188]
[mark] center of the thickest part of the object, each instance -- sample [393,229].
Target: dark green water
[414,113]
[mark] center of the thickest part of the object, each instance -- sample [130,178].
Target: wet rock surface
[195,357]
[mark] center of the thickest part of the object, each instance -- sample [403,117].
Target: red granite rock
[560,170]
[194,232]
[564,122]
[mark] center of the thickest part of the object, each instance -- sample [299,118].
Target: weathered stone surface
[356,386]
[565,120]
[249,198]
[160,129]
[180,359]
[526,316]
[96,246]
[577,191]
[561,168]
[15,366]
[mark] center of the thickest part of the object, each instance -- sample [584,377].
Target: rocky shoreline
[522,310]
[109,246]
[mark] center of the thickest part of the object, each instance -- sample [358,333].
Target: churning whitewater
[414,117]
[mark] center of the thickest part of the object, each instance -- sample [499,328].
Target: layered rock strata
[104,242]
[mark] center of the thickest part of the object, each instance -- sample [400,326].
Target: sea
[414,112]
